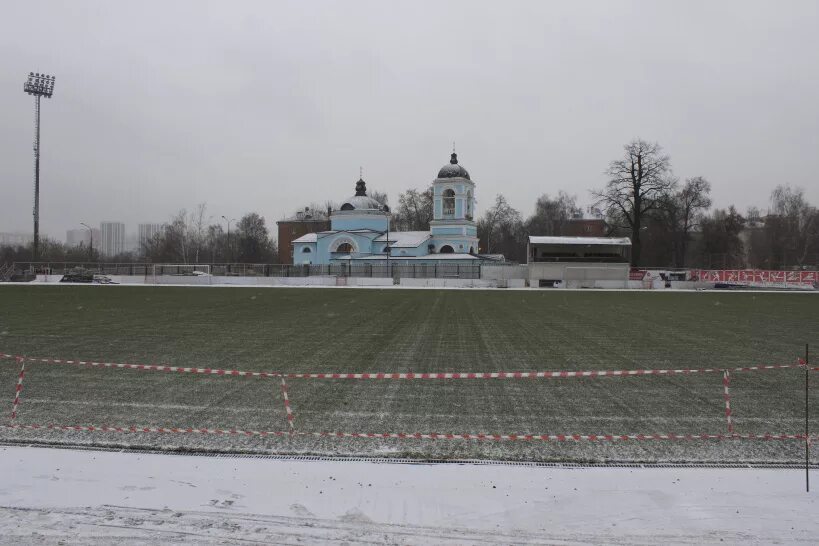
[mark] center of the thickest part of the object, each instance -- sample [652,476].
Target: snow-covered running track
[49,495]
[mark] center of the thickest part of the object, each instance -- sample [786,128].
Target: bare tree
[721,246]
[636,183]
[681,212]
[197,227]
[381,197]
[794,224]
[415,210]
[215,242]
[254,242]
[177,233]
[500,223]
[551,215]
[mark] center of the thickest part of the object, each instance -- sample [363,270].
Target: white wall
[580,273]
[498,272]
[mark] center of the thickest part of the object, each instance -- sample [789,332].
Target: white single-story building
[578,262]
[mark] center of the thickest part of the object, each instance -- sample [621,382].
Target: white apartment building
[146,232]
[112,238]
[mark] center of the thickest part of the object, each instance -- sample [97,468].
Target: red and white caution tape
[726,381]
[145,367]
[531,375]
[134,429]
[556,437]
[287,405]
[18,389]
[414,435]
[409,375]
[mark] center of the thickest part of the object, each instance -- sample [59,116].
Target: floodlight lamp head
[41,85]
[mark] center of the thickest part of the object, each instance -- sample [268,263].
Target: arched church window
[347,206]
[472,250]
[469,205]
[306,250]
[446,249]
[449,202]
[345,248]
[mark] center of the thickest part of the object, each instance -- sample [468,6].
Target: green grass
[355,330]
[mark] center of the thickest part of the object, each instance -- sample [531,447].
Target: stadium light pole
[38,85]
[91,239]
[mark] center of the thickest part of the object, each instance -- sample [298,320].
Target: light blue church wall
[301,257]
[459,245]
[360,221]
[362,244]
[417,251]
[437,230]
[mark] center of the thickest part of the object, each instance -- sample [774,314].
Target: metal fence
[394,270]
[401,270]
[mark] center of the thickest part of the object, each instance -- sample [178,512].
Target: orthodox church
[359,229]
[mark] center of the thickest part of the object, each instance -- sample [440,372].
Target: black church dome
[453,170]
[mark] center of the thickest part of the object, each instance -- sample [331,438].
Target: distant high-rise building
[146,232]
[112,238]
[77,237]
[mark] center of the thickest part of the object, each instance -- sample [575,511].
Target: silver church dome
[361,201]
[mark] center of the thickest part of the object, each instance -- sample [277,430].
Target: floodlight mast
[38,85]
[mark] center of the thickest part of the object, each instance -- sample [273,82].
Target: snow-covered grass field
[314,330]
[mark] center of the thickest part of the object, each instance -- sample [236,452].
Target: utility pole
[230,249]
[38,85]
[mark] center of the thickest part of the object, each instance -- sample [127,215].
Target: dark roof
[453,170]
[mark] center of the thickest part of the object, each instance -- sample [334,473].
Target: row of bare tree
[188,238]
[670,223]
[191,238]
[664,217]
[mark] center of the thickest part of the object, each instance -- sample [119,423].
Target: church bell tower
[453,227]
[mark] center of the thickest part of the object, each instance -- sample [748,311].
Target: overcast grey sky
[267,106]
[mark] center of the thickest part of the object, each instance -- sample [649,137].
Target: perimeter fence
[376,270]
[96,397]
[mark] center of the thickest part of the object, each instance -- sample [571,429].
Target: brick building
[585,227]
[293,228]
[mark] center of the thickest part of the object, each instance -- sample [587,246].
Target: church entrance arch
[343,245]
[447,249]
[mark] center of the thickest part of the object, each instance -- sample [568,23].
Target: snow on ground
[72,497]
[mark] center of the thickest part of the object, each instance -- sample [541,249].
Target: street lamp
[386,210]
[91,239]
[37,85]
[230,250]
